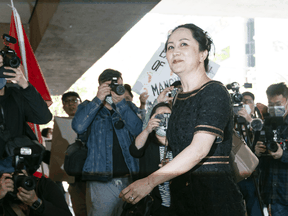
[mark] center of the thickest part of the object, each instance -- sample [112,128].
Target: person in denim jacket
[114,124]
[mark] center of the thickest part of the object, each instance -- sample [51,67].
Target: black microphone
[9,38]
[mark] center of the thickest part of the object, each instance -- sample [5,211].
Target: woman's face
[183,53]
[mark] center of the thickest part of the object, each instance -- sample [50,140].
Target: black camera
[117,88]
[18,177]
[177,86]
[236,99]
[270,134]
[10,57]
[163,119]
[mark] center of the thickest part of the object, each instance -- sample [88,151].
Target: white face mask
[247,107]
[277,111]
[161,131]
[109,100]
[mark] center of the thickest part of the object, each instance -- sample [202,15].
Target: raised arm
[87,111]
[182,163]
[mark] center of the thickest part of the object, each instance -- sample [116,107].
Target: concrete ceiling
[79,33]
[82,31]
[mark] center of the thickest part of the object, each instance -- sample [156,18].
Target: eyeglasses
[68,101]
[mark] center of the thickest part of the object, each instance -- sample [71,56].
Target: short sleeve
[214,111]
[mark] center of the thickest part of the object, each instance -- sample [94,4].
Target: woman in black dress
[199,134]
[149,147]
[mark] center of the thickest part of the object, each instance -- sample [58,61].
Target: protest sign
[156,76]
[63,135]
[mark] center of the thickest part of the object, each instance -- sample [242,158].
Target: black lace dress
[209,188]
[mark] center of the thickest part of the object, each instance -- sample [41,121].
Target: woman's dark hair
[200,36]
[152,135]
[162,104]
[128,88]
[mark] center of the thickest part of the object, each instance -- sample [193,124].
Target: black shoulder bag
[76,154]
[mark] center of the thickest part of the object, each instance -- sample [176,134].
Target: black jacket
[21,106]
[53,202]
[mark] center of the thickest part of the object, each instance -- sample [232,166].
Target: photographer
[45,199]
[114,124]
[274,165]
[19,104]
[247,186]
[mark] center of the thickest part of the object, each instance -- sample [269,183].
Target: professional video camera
[270,132]
[117,88]
[10,58]
[236,98]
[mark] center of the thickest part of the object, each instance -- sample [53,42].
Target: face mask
[276,111]
[2,82]
[161,131]
[247,107]
[109,100]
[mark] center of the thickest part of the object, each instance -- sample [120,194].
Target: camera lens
[272,146]
[14,62]
[26,182]
[29,183]
[120,90]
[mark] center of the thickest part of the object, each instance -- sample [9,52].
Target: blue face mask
[2,82]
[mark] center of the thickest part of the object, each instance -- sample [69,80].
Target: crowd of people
[177,151]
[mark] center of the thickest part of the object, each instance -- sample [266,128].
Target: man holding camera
[247,186]
[274,165]
[113,124]
[20,103]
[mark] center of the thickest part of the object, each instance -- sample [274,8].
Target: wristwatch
[36,204]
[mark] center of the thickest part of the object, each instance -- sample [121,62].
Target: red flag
[35,75]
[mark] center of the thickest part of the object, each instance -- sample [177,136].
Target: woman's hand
[27,197]
[163,95]
[6,185]
[143,98]
[136,191]
[17,77]
[152,124]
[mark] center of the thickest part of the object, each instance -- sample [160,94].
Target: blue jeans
[278,209]
[248,191]
[104,195]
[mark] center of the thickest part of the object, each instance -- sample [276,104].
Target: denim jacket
[99,162]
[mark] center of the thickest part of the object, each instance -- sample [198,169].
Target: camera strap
[2,125]
[164,161]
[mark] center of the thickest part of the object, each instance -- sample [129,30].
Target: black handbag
[76,154]
[75,157]
[142,208]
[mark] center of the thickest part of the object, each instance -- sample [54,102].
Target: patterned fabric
[164,188]
[274,179]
